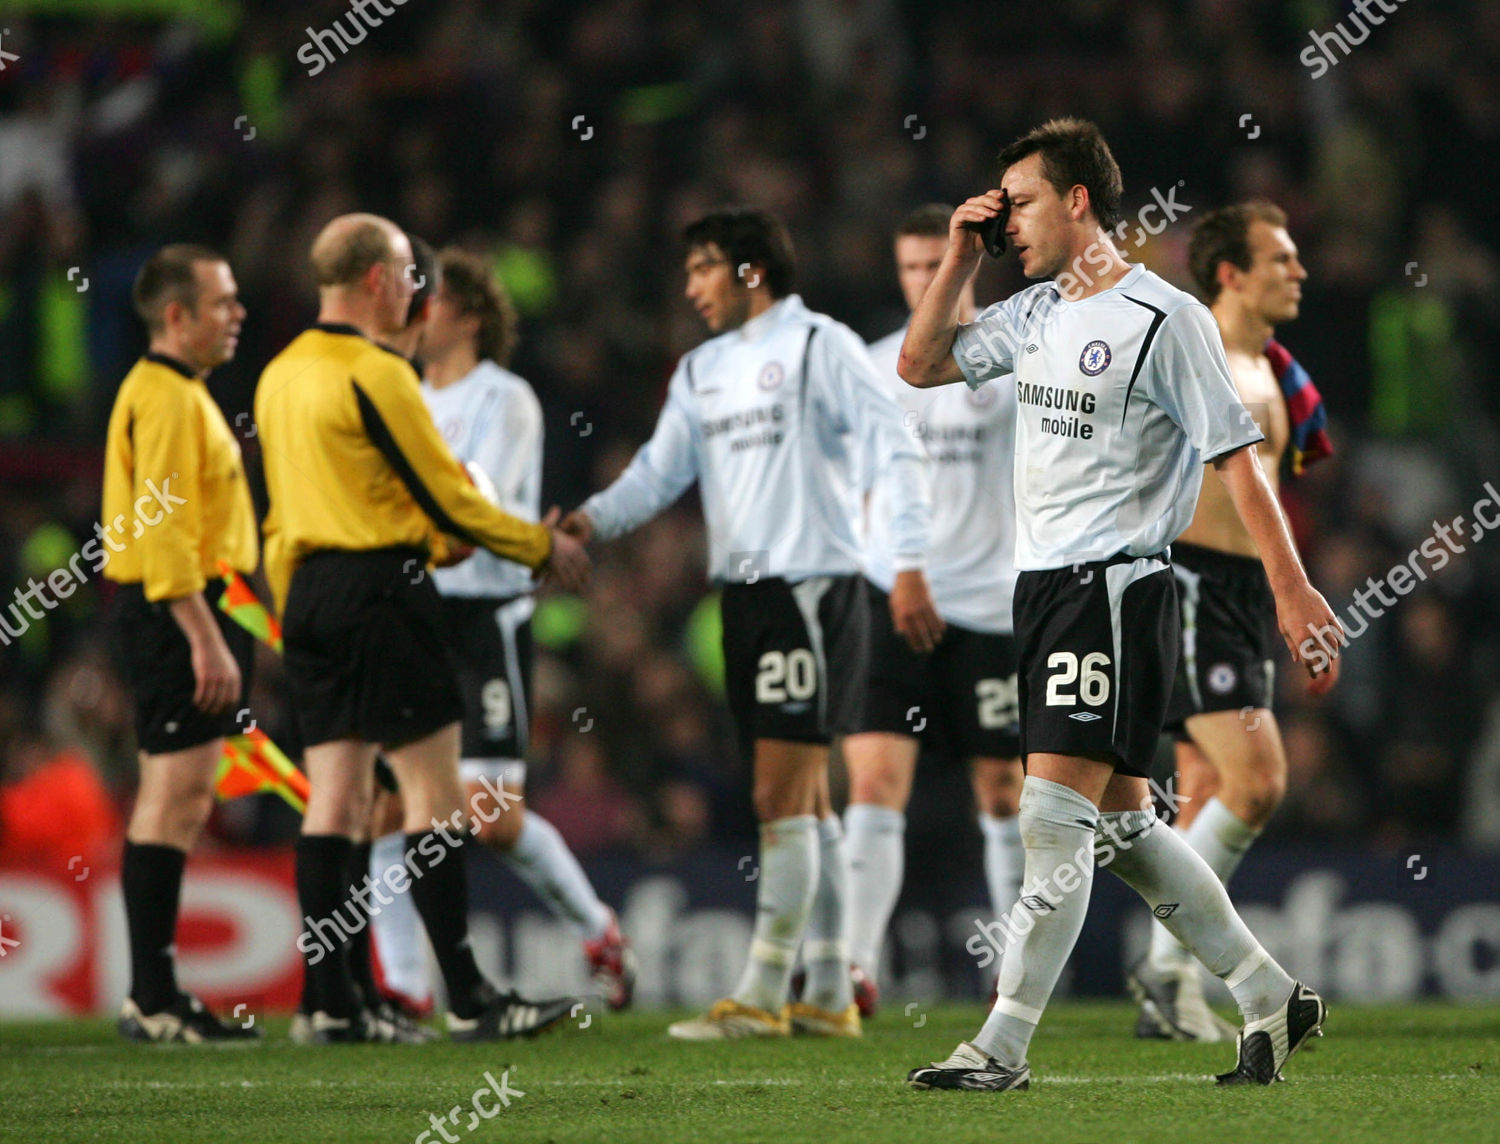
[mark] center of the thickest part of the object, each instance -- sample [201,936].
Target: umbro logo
[1032,348]
[1166,909]
[1037,904]
[1085,716]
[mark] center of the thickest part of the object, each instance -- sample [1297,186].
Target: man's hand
[913,613]
[216,675]
[967,243]
[569,565]
[1304,617]
[576,524]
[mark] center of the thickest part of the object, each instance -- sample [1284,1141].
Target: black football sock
[360,967]
[323,895]
[440,891]
[151,883]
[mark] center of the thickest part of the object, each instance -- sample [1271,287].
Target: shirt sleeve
[659,473]
[986,347]
[888,453]
[400,425]
[1188,377]
[168,452]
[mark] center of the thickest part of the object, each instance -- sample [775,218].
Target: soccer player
[960,691]
[1123,395]
[768,417]
[491,418]
[175,504]
[1232,768]
[358,478]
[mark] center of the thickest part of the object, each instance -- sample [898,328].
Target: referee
[175,504]
[358,478]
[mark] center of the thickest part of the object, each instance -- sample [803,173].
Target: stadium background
[132,123]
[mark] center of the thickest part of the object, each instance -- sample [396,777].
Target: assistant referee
[175,504]
[358,478]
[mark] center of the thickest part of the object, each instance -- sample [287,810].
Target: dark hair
[745,234]
[1223,235]
[929,221]
[477,291]
[424,270]
[169,276]
[1073,153]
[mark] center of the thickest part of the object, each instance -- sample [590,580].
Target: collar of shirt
[782,308]
[1132,276]
[172,363]
[342,328]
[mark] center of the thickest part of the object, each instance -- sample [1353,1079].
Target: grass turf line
[1429,1073]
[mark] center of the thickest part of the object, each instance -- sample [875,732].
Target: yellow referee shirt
[353,461]
[175,497]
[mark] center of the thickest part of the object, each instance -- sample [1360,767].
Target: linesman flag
[252,764]
[240,603]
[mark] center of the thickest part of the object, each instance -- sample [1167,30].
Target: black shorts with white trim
[491,641]
[961,697]
[1098,646]
[1228,634]
[796,657]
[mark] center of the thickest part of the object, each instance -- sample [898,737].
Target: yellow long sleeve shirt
[175,498]
[353,461]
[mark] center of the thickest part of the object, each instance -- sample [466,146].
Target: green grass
[1428,1074]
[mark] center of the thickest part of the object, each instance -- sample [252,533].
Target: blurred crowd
[571,142]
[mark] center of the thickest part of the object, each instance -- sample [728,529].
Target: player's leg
[881,758]
[1245,756]
[828,995]
[997,795]
[172,805]
[397,928]
[493,644]
[1185,893]
[339,774]
[880,765]
[180,747]
[534,849]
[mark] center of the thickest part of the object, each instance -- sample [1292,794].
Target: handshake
[568,565]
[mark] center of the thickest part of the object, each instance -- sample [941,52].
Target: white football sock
[783,900]
[1221,837]
[823,950]
[396,929]
[875,848]
[1004,860]
[544,862]
[1057,827]
[1159,865]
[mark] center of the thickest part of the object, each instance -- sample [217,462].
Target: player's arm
[659,473]
[927,356]
[1189,378]
[168,440]
[400,426]
[1301,612]
[890,454]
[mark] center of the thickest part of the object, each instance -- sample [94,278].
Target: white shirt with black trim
[770,419]
[969,437]
[1121,400]
[491,416]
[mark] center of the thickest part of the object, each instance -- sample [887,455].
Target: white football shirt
[969,437]
[1121,400]
[491,416]
[770,420]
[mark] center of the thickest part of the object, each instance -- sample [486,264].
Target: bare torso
[1215,523]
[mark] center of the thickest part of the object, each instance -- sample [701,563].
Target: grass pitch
[1428,1073]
